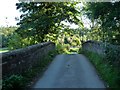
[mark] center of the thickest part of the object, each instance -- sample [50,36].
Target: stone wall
[109,51]
[19,60]
[94,46]
[98,47]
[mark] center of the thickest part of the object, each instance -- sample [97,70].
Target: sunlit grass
[3,50]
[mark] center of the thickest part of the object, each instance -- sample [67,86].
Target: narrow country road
[70,71]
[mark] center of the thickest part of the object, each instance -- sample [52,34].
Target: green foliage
[112,55]
[6,34]
[14,42]
[50,37]
[105,15]
[108,73]
[14,82]
[26,79]
[11,39]
[74,49]
[67,40]
[41,21]
[64,40]
[37,70]
[7,30]
[4,50]
[41,18]
[107,12]
[62,48]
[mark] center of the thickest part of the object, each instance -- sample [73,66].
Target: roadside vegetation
[26,79]
[43,21]
[108,72]
[3,50]
[105,27]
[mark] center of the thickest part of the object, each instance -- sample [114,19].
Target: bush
[59,48]
[6,34]
[14,42]
[14,82]
[74,49]
[4,41]
[113,55]
[63,48]
[109,74]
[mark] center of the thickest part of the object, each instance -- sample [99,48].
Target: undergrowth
[108,73]
[27,78]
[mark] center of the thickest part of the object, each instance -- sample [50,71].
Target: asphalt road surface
[70,71]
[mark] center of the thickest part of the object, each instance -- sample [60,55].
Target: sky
[8,9]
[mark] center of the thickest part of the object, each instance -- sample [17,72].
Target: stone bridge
[17,61]
[65,71]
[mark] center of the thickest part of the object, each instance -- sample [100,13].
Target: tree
[6,33]
[41,18]
[107,15]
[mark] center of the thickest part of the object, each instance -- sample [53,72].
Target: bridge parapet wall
[19,60]
[94,46]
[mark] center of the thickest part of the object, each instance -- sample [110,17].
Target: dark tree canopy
[40,18]
[107,14]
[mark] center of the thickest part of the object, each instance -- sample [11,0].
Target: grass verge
[107,72]
[3,50]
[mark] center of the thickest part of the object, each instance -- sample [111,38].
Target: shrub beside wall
[17,61]
[108,51]
[106,59]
